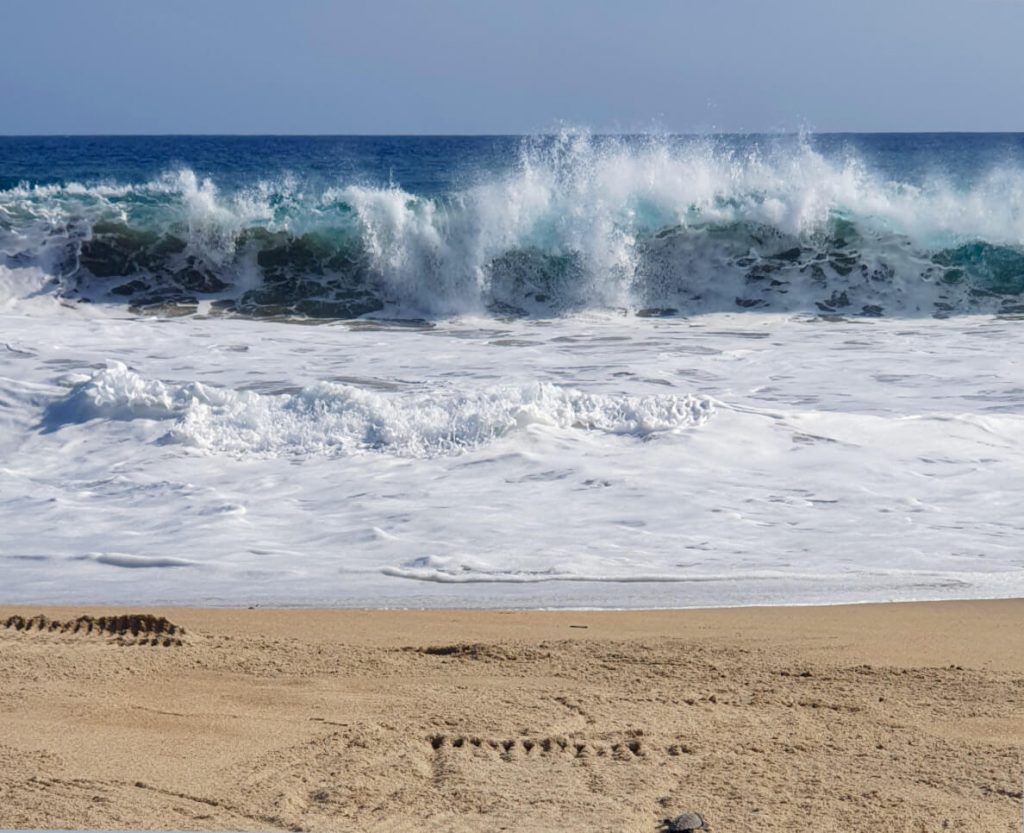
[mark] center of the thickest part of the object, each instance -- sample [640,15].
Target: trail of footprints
[126,629]
[630,749]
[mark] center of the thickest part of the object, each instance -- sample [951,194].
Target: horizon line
[537,134]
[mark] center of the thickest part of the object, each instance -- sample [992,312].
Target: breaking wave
[334,419]
[648,226]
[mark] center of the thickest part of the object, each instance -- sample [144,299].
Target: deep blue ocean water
[430,165]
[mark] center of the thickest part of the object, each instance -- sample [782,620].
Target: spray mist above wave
[575,223]
[335,419]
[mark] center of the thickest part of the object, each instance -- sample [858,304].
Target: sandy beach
[899,717]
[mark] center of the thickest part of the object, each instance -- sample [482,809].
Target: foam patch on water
[133,562]
[443,569]
[342,419]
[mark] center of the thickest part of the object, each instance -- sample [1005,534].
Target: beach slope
[902,717]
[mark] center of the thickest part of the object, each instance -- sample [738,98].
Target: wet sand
[898,717]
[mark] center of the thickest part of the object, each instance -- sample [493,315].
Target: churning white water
[587,460]
[627,373]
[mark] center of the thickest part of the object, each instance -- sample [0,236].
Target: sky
[474,66]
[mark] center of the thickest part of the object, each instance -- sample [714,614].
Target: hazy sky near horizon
[472,66]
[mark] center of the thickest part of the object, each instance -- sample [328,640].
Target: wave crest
[575,223]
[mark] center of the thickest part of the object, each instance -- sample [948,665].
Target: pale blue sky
[472,66]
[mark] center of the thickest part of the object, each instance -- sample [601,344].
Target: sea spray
[566,223]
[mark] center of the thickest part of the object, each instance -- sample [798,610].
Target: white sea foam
[475,570]
[120,559]
[530,463]
[336,418]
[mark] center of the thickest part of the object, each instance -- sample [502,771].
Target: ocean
[554,371]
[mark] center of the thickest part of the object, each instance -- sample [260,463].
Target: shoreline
[369,608]
[902,716]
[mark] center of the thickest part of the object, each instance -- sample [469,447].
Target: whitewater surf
[564,370]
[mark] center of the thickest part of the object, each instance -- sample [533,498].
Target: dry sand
[901,717]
